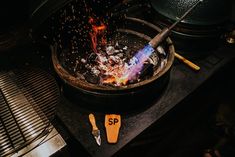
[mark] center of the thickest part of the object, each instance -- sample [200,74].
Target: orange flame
[115,73]
[97,31]
[130,73]
[117,76]
[116,80]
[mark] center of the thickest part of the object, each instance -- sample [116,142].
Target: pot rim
[92,88]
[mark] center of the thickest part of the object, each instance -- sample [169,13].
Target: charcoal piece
[83,60]
[125,48]
[161,51]
[110,50]
[114,59]
[80,76]
[92,58]
[117,45]
[154,59]
[120,55]
[91,78]
[147,71]
[95,71]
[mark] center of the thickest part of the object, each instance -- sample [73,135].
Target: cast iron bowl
[202,30]
[121,98]
[209,12]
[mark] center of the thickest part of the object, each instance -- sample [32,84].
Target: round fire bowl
[128,97]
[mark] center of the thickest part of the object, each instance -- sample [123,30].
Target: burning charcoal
[153,59]
[83,60]
[102,59]
[95,71]
[163,63]
[76,66]
[110,50]
[80,76]
[125,48]
[92,78]
[111,62]
[92,58]
[115,59]
[88,66]
[120,55]
[161,50]
[116,44]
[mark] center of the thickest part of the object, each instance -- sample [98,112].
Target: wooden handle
[187,62]
[112,125]
[92,121]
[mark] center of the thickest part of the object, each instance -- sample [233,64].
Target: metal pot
[122,98]
[209,12]
[204,27]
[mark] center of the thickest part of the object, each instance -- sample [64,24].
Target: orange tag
[112,125]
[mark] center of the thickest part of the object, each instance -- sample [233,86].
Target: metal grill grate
[27,103]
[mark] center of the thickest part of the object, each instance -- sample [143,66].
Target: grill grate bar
[38,130]
[45,96]
[4,150]
[27,103]
[7,134]
[24,113]
[32,123]
[43,106]
[31,81]
[31,91]
[4,110]
[5,142]
[13,128]
[13,117]
[19,111]
[1,130]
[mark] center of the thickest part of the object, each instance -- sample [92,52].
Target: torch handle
[187,62]
[159,38]
[166,31]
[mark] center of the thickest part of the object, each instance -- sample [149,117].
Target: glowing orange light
[97,32]
[116,74]
[116,80]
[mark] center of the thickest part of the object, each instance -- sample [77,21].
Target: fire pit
[100,65]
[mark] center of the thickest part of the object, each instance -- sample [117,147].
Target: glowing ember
[97,32]
[111,66]
[131,71]
[136,64]
[116,71]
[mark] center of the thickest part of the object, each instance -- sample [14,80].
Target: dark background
[205,120]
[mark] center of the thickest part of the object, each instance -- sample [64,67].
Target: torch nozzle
[166,31]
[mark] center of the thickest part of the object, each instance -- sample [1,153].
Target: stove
[72,116]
